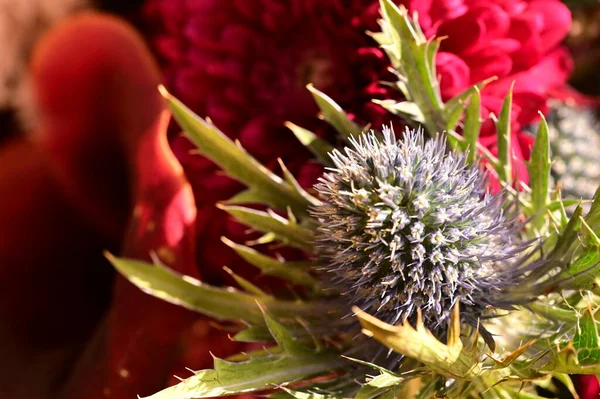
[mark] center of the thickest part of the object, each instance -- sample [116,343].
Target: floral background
[86,166]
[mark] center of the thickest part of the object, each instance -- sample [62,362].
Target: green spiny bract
[406,225]
[574,134]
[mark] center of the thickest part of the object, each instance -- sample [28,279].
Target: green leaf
[254,334]
[343,386]
[586,340]
[382,384]
[451,360]
[285,341]
[303,395]
[249,196]
[245,284]
[593,216]
[220,303]
[504,139]
[235,160]
[379,385]
[416,65]
[455,106]
[554,313]
[335,115]
[583,272]
[472,124]
[456,141]
[557,205]
[589,236]
[568,235]
[256,374]
[293,183]
[521,394]
[561,244]
[284,230]
[319,147]
[582,354]
[539,175]
[404,109]
[273,267]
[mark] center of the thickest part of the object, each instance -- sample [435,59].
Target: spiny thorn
[164,92]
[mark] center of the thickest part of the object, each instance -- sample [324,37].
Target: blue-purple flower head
[406,225]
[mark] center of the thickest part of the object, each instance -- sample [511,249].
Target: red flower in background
[513,40]
[587,386]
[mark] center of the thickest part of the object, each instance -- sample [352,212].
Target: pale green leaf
[451,360]
[245,284]
[285,341]
[593,216]
[504,139]
[416,66]
[256,374]
[379,385]
[220,303]
[335,115]
[249,196]
[405,109]
[235,160]
[293,183]
[302,395]
[472,124]
[254,334]
[557,205]
[586,341]
[455,106]
[539,175]
[269,222]
[319,147]
[273,267]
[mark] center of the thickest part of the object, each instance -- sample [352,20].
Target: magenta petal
[497,46]
[453,72]
[554,22]
[550,73]
[523,29]
[530,105]
[463,33]
[587,386]
[446,10]
[498,65]
[494,18]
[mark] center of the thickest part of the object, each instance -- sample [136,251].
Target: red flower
[587,386]
[514,40]
[104,134]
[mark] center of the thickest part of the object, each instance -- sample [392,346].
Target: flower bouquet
[428,259]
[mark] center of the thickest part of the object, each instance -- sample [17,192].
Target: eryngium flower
[407,225]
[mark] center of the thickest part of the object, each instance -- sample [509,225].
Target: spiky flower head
[407,225]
